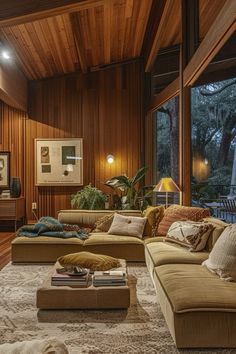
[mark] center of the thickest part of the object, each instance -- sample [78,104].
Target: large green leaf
[139,175]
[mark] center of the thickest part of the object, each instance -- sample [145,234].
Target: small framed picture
[4,170]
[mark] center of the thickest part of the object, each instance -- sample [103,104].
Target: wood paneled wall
[12,138]
[104,108]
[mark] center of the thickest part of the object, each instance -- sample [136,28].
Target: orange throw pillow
[178,213]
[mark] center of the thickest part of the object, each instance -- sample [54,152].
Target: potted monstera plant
[89,198]
[127,190]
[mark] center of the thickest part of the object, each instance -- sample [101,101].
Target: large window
[167,145]
[167,140]
[213,140]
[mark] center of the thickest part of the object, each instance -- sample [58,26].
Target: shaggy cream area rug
[141,329]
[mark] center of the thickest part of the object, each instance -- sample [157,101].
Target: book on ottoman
[63,279]
[110,278]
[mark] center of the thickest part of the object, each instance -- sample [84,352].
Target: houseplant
[126,189]
[89,198]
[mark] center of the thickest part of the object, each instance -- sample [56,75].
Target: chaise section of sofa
[199,308]
[48,249]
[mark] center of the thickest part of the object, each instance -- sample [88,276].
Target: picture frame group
[59,162]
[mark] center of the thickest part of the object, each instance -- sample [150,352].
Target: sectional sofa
[199,308]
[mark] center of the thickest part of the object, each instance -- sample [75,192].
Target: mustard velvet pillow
[89,260]
[104,223]
[154,214]
[127,226]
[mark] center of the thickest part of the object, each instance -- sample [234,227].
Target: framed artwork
[59,162]
[4,170]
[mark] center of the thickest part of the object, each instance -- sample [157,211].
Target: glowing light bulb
[6,55]
[110,159]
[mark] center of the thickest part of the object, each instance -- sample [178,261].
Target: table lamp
[166,185]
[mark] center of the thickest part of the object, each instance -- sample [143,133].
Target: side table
[12,209]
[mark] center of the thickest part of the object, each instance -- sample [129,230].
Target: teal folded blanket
[48,226]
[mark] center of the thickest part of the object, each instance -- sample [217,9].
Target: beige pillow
[89,260]
[222,259]
[127,225]
[193,235]
[154,214]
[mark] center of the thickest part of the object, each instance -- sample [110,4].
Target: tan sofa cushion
[219,227]
[167,253]
[222,259]
[127,225]
[105,238]
[89,217]
[178,213]
[154,214]
[194,288]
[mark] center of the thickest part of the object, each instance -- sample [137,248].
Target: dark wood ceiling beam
[220,31]
[169,92]
[14,12]
[162,16]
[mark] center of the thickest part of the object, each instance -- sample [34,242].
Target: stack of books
[109,278]
[78,281]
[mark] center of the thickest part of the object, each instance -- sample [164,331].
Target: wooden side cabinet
[12,209]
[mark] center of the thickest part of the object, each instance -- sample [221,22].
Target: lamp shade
[166,184]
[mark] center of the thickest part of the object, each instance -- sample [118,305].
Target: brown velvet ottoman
[50,297]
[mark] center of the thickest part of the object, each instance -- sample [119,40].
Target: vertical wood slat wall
[104,108]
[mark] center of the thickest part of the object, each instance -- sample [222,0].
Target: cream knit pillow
[127,225]
[222,259]
[191,234]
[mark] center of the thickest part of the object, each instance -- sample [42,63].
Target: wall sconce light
[110,159]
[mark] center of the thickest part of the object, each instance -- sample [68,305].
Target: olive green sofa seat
[48,249]
[199,308]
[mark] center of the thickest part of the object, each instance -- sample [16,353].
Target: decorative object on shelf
[59,162]
[15,187]
[89,198]
[110,159]
[166,185]
[128,195]
[4,170]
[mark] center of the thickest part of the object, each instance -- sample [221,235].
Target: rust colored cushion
[178,213]
[154,214]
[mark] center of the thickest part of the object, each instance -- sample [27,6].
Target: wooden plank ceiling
[105,32]
[56,37]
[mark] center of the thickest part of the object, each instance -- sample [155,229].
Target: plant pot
[15,187]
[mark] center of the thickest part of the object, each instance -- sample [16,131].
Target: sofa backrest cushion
[178,213]
[218,228]
[89,217]
[222,258]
